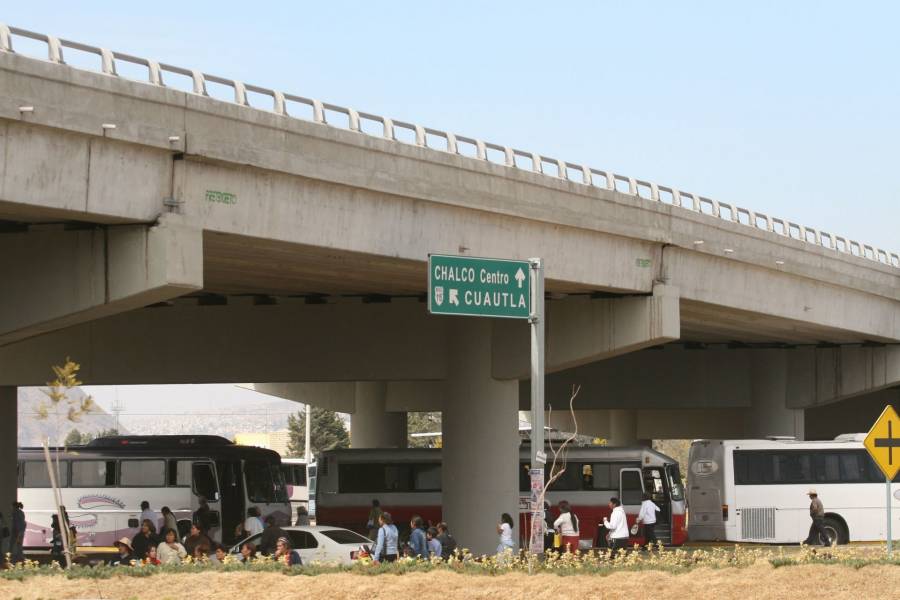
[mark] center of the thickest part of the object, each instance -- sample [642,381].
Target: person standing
[504,529]
[434,545]
[567,526]
[617,525]
[169,521]
[203,515]
[448,542]
[17,533]
[150,515]
[374,515]
[270,536]
[647,517]
[417,542]
[817,533]
[253,524]
[303,518]
[387,544]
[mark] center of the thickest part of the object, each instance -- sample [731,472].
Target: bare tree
[559,462]
[59,409]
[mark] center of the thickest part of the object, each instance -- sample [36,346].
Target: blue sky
[792,109]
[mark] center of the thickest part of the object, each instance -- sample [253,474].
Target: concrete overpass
[166,235]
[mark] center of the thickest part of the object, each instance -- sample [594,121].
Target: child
[434,546]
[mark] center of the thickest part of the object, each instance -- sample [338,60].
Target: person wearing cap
[817,533]
[126,553]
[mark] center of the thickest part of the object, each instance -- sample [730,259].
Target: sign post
[885,451]
[511,289]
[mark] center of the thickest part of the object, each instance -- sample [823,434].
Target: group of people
[12,536]
[425,542]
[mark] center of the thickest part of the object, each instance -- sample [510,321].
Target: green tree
[112,432]
[424,422]
[74,438]
[327,432]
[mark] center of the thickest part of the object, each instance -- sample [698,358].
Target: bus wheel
[836,531]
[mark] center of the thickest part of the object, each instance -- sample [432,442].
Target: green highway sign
[479,287]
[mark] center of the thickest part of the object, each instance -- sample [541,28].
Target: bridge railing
[404,132]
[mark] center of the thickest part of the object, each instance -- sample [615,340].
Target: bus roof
[843,440]
[161,445]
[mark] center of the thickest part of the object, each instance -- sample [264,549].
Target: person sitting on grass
[126,554]
[170,552]
[248,551]
[152,557]
[285,554]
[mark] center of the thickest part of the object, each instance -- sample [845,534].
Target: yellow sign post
[883,444]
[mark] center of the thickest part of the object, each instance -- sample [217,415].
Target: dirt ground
[758,581]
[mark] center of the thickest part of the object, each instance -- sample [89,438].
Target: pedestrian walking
[151,515]
[567,526]
[386,546]
[817,533]
[617,525]
[17,533]
[417,542]
[647,518]
[505,529]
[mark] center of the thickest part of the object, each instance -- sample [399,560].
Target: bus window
[142,473]
[265,482]
[675,485]
[180,473]
[632,488]
[93,473]
[205,481]
[35,474]
[603,476]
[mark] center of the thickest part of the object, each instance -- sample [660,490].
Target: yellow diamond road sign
[883,442]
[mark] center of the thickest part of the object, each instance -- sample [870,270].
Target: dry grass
[758,581]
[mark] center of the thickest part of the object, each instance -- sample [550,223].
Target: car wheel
[836,531]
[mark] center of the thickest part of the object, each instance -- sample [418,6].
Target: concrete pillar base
[481,441]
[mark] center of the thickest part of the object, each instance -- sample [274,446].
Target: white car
[319,543]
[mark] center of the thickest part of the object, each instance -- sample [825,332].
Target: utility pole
[308,431]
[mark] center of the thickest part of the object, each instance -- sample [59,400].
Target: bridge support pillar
[480,441]
[8,452]
[769,413]
[371,426]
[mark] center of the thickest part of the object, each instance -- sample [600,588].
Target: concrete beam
[336,396]
[56,278]
[820,376]
[582,330]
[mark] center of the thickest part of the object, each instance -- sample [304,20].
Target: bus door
[232,490]
[206,484]
[654,483]
[631,491]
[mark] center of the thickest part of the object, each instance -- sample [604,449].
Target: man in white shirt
[253,524]
[150,515]
[647,516]
[617,525]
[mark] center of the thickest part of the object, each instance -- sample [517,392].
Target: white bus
[300,479]
[755,490]
[408,482]
[104,483]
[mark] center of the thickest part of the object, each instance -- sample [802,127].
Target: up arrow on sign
[520,277]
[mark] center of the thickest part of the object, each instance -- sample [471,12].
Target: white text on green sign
[483,287]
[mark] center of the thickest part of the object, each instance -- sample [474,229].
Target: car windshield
[344,536]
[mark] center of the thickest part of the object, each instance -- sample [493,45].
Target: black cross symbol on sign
[890,442]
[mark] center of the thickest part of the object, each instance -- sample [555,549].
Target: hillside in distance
[32,430]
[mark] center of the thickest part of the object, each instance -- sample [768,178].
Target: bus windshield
[265,482]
